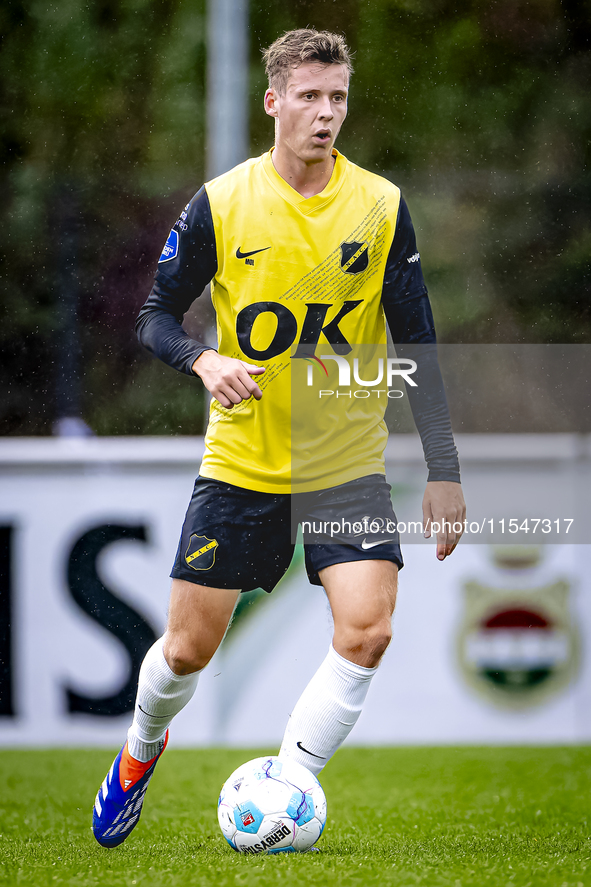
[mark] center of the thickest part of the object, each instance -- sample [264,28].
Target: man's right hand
[226,378]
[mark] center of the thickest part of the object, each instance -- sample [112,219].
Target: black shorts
[237,538]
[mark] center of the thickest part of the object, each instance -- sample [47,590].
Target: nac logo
[200,553]
[354,257]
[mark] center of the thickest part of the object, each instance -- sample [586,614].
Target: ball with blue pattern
[271,806]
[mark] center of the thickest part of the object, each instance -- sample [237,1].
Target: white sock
[161,695]
[326,712]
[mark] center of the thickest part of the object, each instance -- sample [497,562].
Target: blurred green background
[479,111]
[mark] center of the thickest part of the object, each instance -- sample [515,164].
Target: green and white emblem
[518,646]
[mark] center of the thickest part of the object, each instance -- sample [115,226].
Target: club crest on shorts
[354,257]
[200,553]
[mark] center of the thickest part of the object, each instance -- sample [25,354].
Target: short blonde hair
[295,48]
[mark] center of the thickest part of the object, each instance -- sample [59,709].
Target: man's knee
[364,644]
[198,618]
[380,641]
[182,656]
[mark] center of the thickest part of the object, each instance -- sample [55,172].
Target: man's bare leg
[198,618]
[197,621]
[362,596]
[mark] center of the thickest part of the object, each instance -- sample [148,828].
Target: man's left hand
[444,506]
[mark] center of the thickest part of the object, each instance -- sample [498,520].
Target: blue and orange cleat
[118,804]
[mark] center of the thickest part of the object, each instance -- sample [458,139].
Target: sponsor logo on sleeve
[171,247]
[181,222]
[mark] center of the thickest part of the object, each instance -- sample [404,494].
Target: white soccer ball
[271,806]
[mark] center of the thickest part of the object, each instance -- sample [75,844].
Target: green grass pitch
[455,817]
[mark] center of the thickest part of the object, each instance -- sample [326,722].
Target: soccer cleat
[118,804]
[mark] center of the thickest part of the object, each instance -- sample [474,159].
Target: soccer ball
[271,806]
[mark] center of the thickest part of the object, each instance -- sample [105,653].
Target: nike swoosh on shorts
[367,545]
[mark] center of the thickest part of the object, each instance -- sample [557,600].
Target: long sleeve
[187,264]
[410,320]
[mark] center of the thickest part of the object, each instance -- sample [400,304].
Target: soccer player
[306,253]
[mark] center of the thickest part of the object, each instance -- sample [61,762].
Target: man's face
[311,112]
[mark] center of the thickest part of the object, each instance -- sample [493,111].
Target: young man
[306,252]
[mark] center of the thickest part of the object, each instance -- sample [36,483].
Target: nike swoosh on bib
[366,545]
[241,255]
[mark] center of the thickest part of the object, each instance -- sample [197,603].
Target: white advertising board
[489,646]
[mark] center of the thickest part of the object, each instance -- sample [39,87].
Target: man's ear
[271,103]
